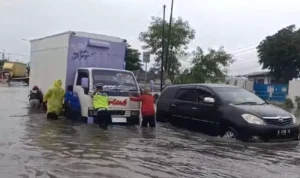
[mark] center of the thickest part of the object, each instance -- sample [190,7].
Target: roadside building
[264,77]
[268,87]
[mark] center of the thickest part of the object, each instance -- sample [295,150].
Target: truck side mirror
[84,82]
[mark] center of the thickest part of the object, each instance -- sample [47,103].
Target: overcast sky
[238,25]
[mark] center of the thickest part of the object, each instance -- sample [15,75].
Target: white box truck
[85,60]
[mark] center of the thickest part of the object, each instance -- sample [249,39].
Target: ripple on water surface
[30,146]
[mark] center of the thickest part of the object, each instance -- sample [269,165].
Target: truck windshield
[114,80]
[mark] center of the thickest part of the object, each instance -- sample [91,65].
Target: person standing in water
[100,103]
[54,98]
[72,104]
[147,108]
[35,97]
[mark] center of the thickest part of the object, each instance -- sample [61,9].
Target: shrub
[297,99]
[289,103]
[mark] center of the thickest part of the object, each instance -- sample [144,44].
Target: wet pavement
[30,146]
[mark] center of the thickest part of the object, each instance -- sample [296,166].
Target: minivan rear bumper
[269,132]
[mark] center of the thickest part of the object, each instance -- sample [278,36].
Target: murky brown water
[30,146]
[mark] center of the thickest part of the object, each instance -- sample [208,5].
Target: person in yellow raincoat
[54,98]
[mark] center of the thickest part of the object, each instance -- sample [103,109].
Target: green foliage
[288,103]
[280,53]
[185,76]
[133,61]
[211,67]
[181,35]
[297,99]
[2,63]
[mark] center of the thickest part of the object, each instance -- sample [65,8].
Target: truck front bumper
[120,116]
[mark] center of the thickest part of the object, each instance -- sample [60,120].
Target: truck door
[82,73]
[84,98]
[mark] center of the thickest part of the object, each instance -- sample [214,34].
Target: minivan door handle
[173,105]
[194,108]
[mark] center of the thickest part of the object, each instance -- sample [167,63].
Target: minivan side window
[202,94]
[168,93]
[187,95]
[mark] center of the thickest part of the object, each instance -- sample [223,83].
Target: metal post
[3,56]
[146,74]
[163,50]
[169,37]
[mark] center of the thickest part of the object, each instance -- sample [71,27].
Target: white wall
[294,90]
[48,61]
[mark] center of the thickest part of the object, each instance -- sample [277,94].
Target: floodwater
[30,146]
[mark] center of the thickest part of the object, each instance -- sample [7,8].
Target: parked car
[230,111]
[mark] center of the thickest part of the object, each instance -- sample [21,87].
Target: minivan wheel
[161,117]
[230,134]
[297,137]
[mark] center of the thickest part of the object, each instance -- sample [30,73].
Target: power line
[245,68]
[246,55]
[247,59]
[237,49]
[17,54]
[243,51]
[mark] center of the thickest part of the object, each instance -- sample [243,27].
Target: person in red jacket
[147,109]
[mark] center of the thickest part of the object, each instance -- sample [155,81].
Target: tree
[2,63]
[280,53]
[133,61]
[211,67]
[184,77]
[180,37]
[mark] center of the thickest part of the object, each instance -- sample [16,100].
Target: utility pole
[169,36]
[3,56]
[146,59]
[163,50]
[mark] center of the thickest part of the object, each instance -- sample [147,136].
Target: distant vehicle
[229,111]
[242,82]
[15,71]
[85,60]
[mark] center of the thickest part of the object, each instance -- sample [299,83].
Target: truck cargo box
[59,56]
[16,69]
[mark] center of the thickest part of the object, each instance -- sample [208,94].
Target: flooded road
[30,146]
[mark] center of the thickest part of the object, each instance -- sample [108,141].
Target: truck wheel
[27,82]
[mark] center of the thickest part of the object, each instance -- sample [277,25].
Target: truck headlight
[294,119]
[253,119]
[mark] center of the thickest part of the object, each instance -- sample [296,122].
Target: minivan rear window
[168,93]
[187,95]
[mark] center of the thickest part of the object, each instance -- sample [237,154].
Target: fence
[271,92]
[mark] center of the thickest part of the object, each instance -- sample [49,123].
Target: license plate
[119,119]
[283,132]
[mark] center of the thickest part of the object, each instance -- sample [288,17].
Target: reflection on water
[30,146]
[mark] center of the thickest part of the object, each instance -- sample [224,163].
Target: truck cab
[118,84]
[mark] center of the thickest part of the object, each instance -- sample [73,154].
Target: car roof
[209,85]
